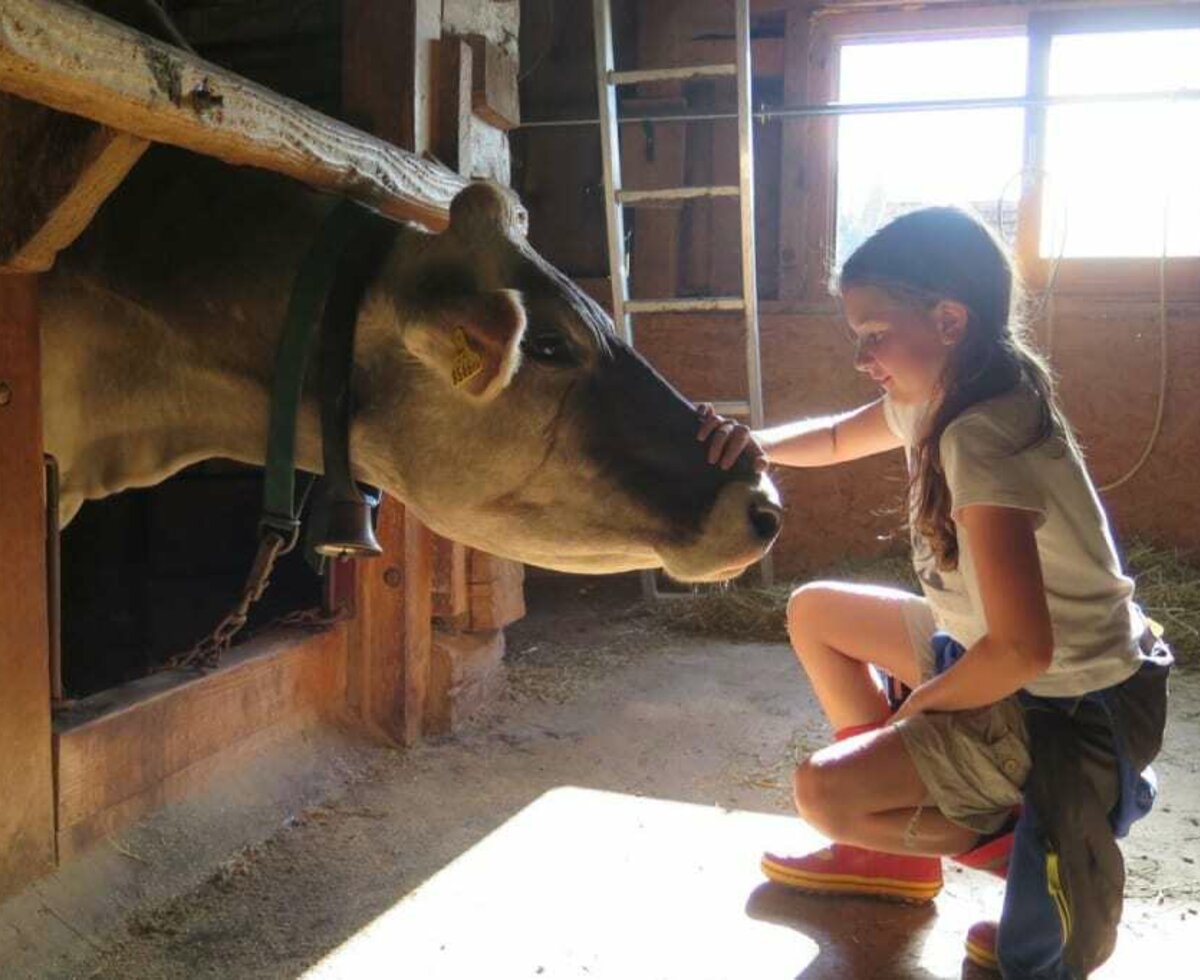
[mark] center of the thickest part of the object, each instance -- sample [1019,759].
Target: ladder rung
[731,408]
[670,74]
[677,193]
[685,305]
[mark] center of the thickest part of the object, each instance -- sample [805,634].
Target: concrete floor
[604,820]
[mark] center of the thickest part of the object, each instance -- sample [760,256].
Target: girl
[1014,556]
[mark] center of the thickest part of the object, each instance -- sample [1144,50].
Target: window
[893,162]
[1121,178]
[1093,179]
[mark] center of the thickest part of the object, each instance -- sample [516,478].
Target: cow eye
[550,348]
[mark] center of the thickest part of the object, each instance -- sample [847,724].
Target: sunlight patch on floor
[596,884]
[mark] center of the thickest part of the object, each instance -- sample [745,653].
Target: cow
[567,450]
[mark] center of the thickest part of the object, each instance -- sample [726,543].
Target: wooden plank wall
[158,739]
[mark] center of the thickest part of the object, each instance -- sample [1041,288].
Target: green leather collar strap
[347,224]
[325,298]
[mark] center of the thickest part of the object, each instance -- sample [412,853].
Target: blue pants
[1089,782]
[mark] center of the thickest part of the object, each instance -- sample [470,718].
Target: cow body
[566,450]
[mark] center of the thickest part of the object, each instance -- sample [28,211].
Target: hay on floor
[1168,588]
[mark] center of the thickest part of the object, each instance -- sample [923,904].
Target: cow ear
[474,344]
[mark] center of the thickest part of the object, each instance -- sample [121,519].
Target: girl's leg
[837,629]
[866,792]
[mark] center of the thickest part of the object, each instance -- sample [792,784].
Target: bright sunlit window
[894,162]
[1123,179]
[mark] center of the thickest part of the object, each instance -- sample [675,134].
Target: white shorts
[973,763]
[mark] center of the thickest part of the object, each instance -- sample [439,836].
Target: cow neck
[329,284]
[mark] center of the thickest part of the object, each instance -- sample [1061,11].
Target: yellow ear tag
[467,363]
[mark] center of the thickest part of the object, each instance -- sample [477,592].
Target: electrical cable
[545,48]
[1046,306]
[1162,360]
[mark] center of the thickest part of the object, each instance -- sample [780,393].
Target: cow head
[525,427]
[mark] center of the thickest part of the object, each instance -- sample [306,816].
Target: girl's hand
[727,440]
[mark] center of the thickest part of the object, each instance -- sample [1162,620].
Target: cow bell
[348,532]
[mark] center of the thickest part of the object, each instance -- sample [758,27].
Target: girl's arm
[833,439]
[806,442]
[1020,641]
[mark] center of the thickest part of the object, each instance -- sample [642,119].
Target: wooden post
[452,118]
[374,666]
[418,624]
[387,78]
[388,665]
[26,779]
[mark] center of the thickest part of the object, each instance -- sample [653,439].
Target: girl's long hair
[940,253]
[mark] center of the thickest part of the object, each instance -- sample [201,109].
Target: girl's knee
[815,800]
[803,605]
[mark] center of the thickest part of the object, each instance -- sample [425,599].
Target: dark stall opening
[147,573]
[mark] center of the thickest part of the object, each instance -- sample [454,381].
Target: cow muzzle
[738,531]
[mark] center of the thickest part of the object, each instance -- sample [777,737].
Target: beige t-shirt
[1097,627]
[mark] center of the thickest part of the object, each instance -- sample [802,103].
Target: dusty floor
[603,820]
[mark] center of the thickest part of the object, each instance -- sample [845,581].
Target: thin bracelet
[910,832]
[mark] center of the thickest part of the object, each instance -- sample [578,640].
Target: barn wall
[1103,339]
[1107,356]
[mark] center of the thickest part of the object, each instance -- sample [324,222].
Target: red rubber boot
[981,945]
[993,855]
[843,869]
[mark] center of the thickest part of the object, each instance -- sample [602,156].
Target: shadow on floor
[857,937]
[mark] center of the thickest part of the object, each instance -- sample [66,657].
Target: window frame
[816,220]
[1089,274]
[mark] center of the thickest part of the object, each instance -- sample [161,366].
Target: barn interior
[442,762]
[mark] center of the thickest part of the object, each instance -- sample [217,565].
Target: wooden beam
[55,172]
[26,776]
[125,751]
[76,61]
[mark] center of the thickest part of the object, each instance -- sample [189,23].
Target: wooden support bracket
[494,93]
[55,172]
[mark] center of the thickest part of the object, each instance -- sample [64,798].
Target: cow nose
[766,516]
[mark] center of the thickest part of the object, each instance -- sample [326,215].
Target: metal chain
[206,655]
[314,618]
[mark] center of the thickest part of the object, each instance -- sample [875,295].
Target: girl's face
[900,346]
